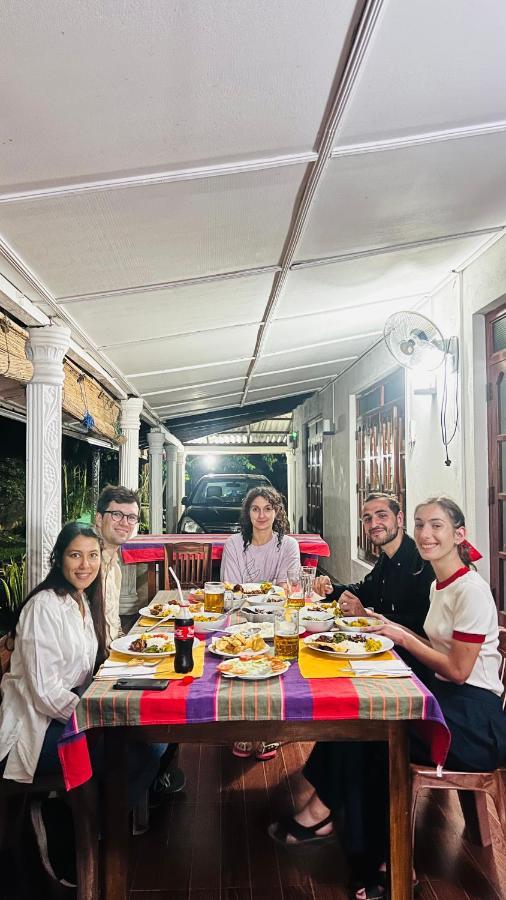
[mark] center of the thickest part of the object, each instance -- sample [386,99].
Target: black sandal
[303,834]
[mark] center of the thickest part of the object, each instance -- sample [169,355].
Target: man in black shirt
[398,585]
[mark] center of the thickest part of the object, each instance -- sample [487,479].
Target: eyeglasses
[118,516]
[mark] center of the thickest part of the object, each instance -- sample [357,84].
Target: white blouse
[54,652]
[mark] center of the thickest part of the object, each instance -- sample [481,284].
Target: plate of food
[254,589]
[316,620]
[255,669]
[319,606]
[159,610]
[150,644]
[262,613]
[208,621]
[232,645]
[357,623]
[264,629]
[348,646]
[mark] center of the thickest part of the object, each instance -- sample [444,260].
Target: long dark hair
[456,517]
[280,525]
[56,581]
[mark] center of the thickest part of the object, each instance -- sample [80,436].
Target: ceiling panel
[429,66]
[410,194]
[188,375]
[110,321]
[196,392]
[304,353]
[101,241]
[168,353]
[283,334]
[138,86]
[405,273]
[324,370]
[224,401]
[255,396]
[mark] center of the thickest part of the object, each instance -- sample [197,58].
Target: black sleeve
[413,614]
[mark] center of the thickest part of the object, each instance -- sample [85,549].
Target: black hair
[56,581]
[116,493]
[280,525]
[392,501]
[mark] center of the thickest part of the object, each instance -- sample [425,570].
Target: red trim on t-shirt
[467,638]
[442,584]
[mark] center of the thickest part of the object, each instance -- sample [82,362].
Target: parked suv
[214,506]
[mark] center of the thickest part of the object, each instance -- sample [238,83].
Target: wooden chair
[191,562]
[473,788]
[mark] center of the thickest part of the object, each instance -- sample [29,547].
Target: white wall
[458,309]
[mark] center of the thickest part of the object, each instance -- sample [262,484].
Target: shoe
[303,834]
[266,751]
[164,786]
[242,749]
[54,832]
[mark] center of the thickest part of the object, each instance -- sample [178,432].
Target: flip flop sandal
[303,834]
[242,749]
[267,751]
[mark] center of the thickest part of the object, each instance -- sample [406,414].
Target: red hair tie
[474,554]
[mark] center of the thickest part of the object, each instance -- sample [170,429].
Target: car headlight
[190,526]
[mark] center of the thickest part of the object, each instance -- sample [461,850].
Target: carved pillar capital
[46,348]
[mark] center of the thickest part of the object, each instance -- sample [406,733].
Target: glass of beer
[214,596]
[286,633]
[294,588]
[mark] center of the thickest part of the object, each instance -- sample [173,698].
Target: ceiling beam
[357,41]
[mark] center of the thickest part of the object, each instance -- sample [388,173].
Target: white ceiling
[226,201]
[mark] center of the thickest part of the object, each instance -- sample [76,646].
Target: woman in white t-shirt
[261,551]
[462,652]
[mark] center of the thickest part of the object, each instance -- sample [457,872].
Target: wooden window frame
[380,452]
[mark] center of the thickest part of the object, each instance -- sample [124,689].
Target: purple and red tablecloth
[213,698]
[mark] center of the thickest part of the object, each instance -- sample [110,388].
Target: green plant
[12,583]
[76,492]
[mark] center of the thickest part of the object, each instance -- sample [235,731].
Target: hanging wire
[447,439]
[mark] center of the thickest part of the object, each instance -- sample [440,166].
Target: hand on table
[323,585]
[351,605]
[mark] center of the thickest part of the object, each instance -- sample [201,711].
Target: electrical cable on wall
[444,402]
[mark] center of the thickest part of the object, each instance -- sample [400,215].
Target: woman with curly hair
[261,551]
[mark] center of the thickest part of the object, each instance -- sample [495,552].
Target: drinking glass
[308,574]
[294,588]
[286,633]
[214,596]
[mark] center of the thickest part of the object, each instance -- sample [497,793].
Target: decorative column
[130,424]
[95,476]
[290,487]
[45,348]
[156,440]
[180,480]
[171,496]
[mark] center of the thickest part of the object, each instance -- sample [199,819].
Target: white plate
[252,653]
[386,644]
[257,677]
[264,629]
[122,644]
[316,621]
[146,611]
[344,623]
[254,587]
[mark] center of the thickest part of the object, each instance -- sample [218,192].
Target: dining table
[310,702]
[150,549]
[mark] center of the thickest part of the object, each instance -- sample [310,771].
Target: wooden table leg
[401,853]
[84,804]
[152,586]
[116,815]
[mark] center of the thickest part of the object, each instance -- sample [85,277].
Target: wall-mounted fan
[417,343]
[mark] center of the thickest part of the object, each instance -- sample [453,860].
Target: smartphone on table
[141,684]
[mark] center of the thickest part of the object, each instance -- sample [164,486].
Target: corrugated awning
[188,428]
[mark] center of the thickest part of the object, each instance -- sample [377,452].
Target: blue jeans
[143,760]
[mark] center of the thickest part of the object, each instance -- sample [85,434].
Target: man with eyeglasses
[117,515]
[116,518]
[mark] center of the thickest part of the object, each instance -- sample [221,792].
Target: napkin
[394,668]
[114,665]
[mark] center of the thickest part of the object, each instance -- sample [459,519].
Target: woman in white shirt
[462,652]
[59,642]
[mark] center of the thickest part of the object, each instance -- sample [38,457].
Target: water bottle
[184,632]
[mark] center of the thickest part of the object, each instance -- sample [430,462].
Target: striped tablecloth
[150,547]
[213,698]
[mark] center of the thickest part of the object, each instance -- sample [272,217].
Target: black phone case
[141,684]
